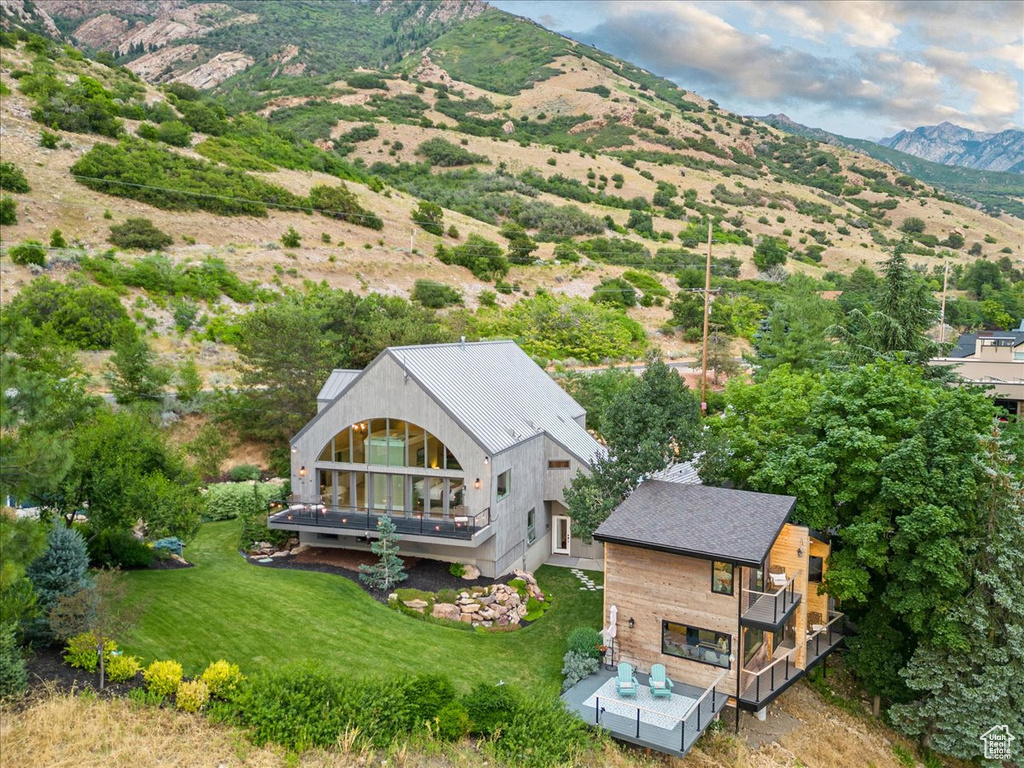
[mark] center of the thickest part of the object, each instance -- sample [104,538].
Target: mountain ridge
[952,144]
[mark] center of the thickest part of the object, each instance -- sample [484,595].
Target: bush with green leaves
[254,517]
[139,233]
[12,179]
[541,733]
[86,317]
[163,677]
[120,668]
[48,139]
[452,722]
[226,501]
[340,203]
[8,211]
[614,291]
[242,472]
[491,707]
[28,252]
[291,238]
[430,217]
[585,641]
[443,153]
[484,258]
[192,696]
[222,678]
[577,666]
[175,133]
[112,548]
[57,239]
[13,675]
[82,651]
[435,295]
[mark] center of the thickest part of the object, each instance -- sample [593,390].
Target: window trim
[559,464]
[732,578]
[726,635]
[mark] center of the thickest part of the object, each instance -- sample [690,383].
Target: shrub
[452,722]
[13,677]
[57,239]
[120,668]
[291,239]
[428,694]
[163,677]
[484,258]
[192,696]
[457,569]
[615,291]
[491,707]
[226,501]
[175,133]
[145,698]
[111,548]
[443,153]
[543,733]
[913,225]
[222,679]
[8,211]
[770,252]
[28,252]
[577,666]
[48,139]
[487,299]
[243,472]
[453,232]
[12,179]
[146,131]
[86,317]
[139,233]
[585,641]
[339,202]
[81,651]
[430,217]
[435,295]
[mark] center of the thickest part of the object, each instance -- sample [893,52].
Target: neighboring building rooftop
[336,382]
[697,520]
[683,472]
[966,345]
[495,390]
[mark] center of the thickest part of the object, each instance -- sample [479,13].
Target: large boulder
[448,611]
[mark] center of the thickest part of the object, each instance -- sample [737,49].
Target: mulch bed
[47,671]
[428,575]
[168,565]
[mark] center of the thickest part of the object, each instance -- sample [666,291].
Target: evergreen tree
[62,569]
[13,677]
[795,331]
[389,570]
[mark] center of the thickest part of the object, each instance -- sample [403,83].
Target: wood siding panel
[819,603]
[653,586]
[792,539]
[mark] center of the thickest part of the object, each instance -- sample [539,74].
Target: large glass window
[721,577]
[389,443]
[753,639]
[696,644]
[815,569]
[531,526]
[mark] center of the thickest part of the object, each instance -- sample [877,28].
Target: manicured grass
[261,617]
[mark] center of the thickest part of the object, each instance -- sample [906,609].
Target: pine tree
[62,569]
[389,570]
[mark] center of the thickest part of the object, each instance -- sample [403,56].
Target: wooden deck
[770,611]
[669,727]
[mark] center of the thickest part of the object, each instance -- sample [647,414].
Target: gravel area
[428,575]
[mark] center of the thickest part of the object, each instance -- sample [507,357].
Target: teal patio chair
[661,686]
[626,684]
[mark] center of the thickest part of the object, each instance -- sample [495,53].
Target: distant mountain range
[953,145]
[994,191]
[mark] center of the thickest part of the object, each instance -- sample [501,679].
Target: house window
[815,569]
[531,526]
[389,443]
[753,639]
[558,464]
[696,644]
[721,577]
[504,484]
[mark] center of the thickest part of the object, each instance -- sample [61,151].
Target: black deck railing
[457,525]
[771,607]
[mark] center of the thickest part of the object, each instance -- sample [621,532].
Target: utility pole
[942,316]
[707,313]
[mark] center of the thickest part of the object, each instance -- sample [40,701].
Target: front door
[562,535]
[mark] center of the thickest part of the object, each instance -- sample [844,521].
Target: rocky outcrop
[158,66]
[954,145]
[499,605]
[216,70]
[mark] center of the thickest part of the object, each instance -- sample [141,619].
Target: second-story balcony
[457,525]
[770,610]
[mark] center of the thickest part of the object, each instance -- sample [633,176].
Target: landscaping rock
[416,605]
[298,550]
[446,611]
[282,553]
[472,573]
[471,608]
[467,618]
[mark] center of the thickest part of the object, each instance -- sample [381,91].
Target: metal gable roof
[498,393]
[337,381]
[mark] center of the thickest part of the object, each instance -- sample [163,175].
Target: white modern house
[467,447]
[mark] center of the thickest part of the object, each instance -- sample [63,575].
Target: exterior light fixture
[799,551]
[632,622]
[294,449]
[487,459]
[476,483]
[302,471]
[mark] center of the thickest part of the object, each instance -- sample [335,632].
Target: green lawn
[258,617]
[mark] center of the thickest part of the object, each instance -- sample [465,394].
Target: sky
[858,68]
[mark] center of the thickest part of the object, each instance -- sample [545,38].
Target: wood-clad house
[719,587]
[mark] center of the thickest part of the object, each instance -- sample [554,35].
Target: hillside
[995,191]
[953,145]
[609,169]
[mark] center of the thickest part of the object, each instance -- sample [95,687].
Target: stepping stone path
[586,581]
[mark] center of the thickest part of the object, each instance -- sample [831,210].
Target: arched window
[389,443]
[392,450]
